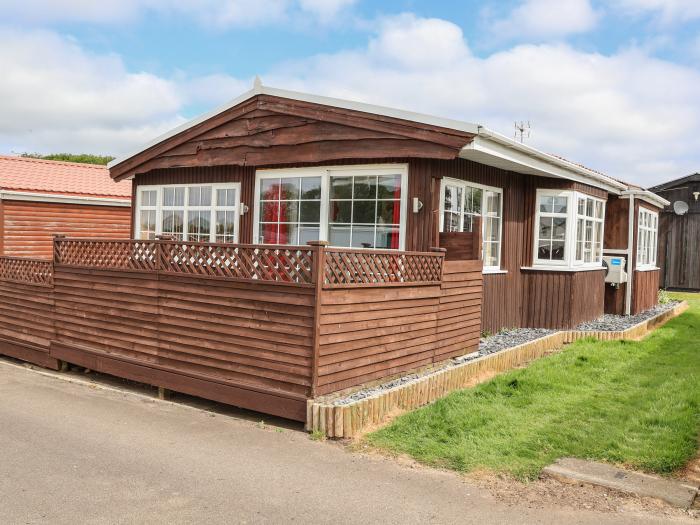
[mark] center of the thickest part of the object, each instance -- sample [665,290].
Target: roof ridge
[50,161]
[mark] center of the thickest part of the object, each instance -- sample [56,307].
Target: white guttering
[630,254]
[647,196]
[512,154]
[63,199]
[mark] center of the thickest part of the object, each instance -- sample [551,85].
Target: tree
[83,158]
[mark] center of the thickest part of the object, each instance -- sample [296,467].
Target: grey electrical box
[615,269]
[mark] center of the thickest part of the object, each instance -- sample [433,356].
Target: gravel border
[503,340]
[619,323]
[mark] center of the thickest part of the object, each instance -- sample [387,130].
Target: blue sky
[610,84]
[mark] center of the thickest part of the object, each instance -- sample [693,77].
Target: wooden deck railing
[26,270]
[348,267]
[281,264]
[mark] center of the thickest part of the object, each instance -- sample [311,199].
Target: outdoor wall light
[417,205]
[244,208]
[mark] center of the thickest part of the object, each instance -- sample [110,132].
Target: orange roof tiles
[61,178]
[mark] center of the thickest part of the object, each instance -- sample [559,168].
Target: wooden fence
[261,327]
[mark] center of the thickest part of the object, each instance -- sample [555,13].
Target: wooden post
[476,239]
[318,274]
[56,239]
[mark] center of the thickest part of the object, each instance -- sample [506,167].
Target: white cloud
[627,114]
[669,11]
[546,19]
[55,96]
[209,13]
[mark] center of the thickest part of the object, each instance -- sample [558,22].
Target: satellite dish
[680,207]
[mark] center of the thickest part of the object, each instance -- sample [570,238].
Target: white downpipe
[630,249]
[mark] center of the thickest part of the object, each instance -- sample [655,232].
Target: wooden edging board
[357,417]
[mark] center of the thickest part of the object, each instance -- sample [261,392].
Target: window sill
[488,272]
[646,268]
[561,269]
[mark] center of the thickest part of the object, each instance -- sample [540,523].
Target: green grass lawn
[632,403]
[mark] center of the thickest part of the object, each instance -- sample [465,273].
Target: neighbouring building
[679,233]
[42,198]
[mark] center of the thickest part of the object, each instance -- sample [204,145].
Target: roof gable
[269,130]
[695,177]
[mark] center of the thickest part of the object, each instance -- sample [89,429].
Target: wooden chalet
[288,245]
[679,233]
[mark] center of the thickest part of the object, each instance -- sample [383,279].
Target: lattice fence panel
[23,270]
[113,255]
[347,267]
[279,264]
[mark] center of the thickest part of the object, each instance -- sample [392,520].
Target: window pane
[148,197]
[589,207]
[310,188]
[491,229]
[289,189]
[364,212]
[546,227]
[199,196]
[453,199]
[268,233]
[269,211]
[599,210]
[388,212]
[468,223]
[557,250]
[559,225]
[365,187]
[173,196]
[289,212]
[559,204]
[544,250]
[269,189]
[310,211]
[341,188]
[477,196]
[339,235]
[389,187]
[289,234]
[546,204]
[308,232]
[363,236]
[492,254]
[341,211]
[493,203]
[451,222]
[581,206]
[173,222]
[226,197]
[387,238]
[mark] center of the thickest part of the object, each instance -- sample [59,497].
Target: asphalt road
[74,453]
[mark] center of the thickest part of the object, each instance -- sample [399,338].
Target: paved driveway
[71,453]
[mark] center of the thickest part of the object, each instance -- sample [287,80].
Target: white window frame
[570,238]
[213,208]
[580,262]
[326,172]
[651,231]
[464,184]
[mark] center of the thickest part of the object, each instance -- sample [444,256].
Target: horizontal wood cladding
[368,334]
[645,291]
[562,299]
[270,131]
[28,227]
[27,322]
[234,333]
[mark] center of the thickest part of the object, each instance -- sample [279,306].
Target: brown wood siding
[562,299]
[645,290]
[27,322]
[28,227]
[616,223]
[679,250]
[367,334]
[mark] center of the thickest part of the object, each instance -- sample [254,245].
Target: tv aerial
[522,130]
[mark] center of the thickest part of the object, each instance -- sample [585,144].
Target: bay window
[357,206]
[195,213]
[461,201]
[568,229]
[647,237]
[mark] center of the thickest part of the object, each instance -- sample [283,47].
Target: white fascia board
[62,199]
[496,150]
[647,196]
[410,116]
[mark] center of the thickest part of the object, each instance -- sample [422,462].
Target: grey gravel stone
[490,345]
[618,323]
